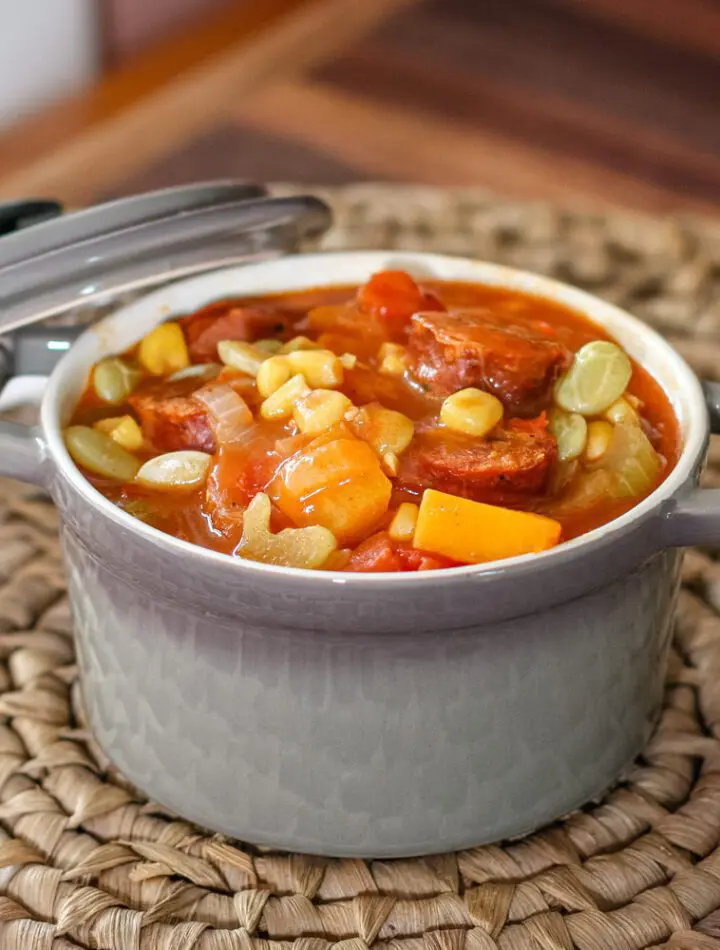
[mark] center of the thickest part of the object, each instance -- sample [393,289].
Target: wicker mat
[86,862]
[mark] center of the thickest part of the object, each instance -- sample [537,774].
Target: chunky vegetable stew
[393,427]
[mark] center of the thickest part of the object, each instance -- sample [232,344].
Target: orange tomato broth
[183,515]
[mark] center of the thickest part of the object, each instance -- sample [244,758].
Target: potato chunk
[339,485]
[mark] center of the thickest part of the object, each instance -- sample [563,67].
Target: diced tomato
[378,553]
[431,301]
[394,296]
[413,560]
[374,555]
[236,477]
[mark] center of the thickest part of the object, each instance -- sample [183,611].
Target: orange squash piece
[472,532]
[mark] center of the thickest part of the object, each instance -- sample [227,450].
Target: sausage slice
[518,363]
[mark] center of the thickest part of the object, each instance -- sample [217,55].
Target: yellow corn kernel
[471,411]
[122,429]
[348,360]
[299,343]
[321,368]
[633,400]
[270,347]
[242,356]
[391,464]
[622,412]
[393,359]
[402,527]
[320,409]
[384,429]
[599,435]
[164,350]
[273,374]
[282,402]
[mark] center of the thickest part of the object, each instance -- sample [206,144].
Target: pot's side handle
[712,400]
[694,518]
[22,450]
[21,453]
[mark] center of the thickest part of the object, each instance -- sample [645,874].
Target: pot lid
[138,242]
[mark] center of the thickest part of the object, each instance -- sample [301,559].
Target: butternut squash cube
[472,532]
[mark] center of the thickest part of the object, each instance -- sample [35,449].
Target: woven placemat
[86,862]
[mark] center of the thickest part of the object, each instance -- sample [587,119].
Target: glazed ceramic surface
[369,715]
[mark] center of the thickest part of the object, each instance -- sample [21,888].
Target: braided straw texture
[87,862]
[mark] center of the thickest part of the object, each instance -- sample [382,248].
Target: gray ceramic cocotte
[368,715]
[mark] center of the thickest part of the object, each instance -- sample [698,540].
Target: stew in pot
[393,427]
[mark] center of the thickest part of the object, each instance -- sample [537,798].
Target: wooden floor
[577,101]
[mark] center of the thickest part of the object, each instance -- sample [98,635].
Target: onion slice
[230,416]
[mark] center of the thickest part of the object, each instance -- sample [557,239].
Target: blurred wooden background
[579,101]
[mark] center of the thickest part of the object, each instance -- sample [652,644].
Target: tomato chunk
[394,296]
[374,555]
[414,560]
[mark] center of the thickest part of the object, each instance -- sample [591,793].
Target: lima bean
[114,380]
[598,377]
[175,471]
[98,453]
[570,431]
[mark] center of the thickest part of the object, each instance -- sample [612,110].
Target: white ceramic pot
[371,715]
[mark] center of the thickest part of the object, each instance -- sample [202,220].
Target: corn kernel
[634,401]
[299,343]
[348,360]
[273,374]
[321,368]
[598,439]
[393,359]
[242,356]
[471,411]
[320,409]
[391,464]
[122,429]
[402,527]
[270,347]
[282,402]
[622,412]
[164,350]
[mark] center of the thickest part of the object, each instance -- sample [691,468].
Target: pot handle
[694,518]
[22,450]
[25,372]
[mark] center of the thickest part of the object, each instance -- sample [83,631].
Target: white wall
[48,49]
